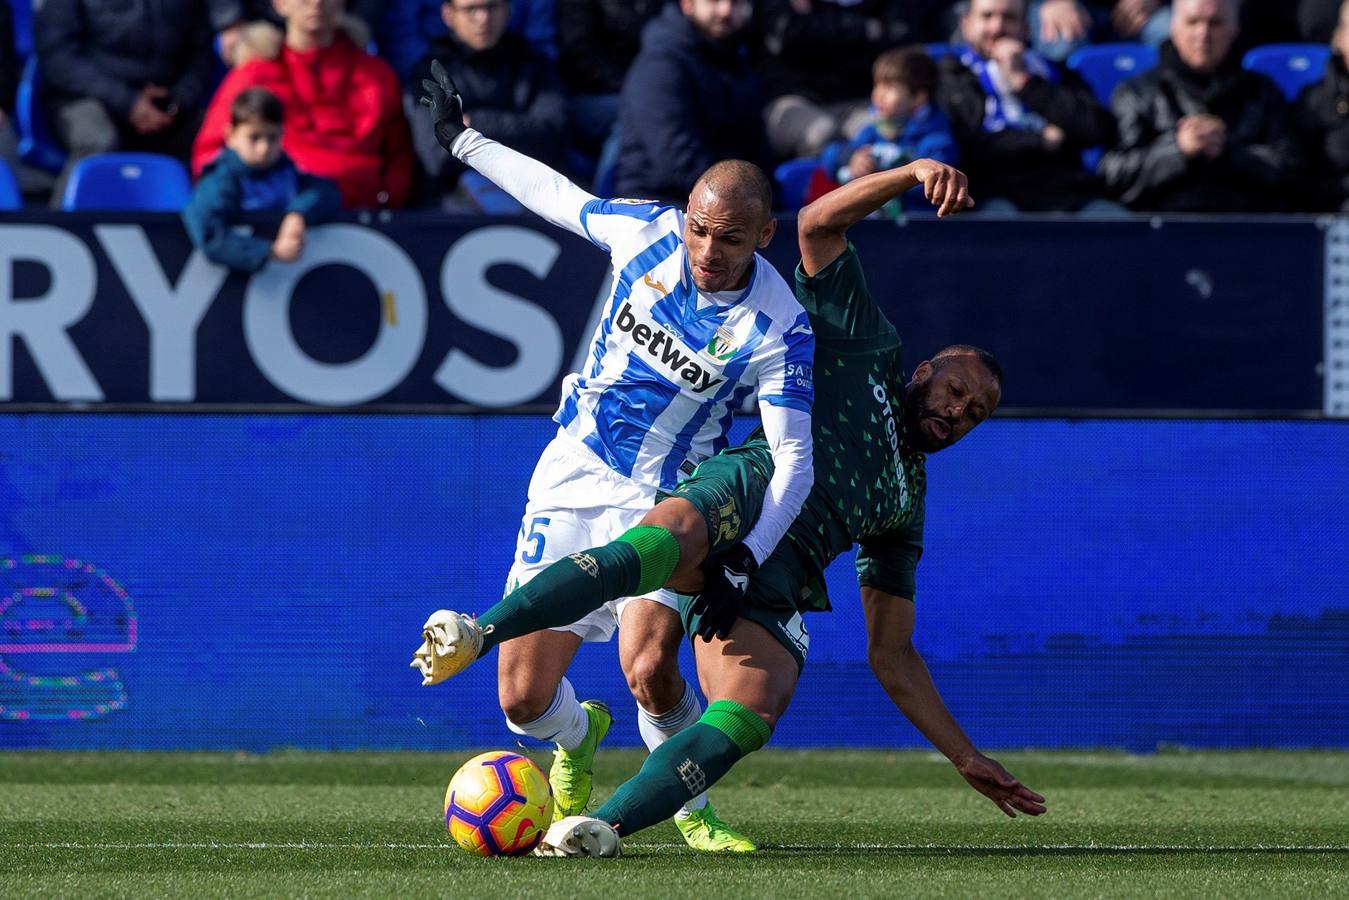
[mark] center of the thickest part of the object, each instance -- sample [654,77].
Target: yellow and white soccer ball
[498,804]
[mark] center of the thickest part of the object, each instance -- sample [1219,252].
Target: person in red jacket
[344,108]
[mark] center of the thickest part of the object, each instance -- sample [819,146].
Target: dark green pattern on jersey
[869,487]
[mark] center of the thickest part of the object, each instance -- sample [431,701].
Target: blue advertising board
[430,310]
[259,581]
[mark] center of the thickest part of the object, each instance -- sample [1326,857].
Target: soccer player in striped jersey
[696,321]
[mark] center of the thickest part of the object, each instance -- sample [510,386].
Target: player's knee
[682,519]
[655,682]
[523,701]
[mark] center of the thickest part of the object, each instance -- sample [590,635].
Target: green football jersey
[869,485]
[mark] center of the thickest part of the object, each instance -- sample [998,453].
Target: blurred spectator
[690,99]
[237,41]
[407,28]
[817,66]
[1021,122]
[907,126]
[1199,132]
[251,175]
[344,109]
[123,74]
[1317,20]
[1058,27]
[512,93]
[1322,115]
[597,41]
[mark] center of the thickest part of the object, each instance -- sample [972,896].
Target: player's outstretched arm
[820,227]
[901,671]
[539,189]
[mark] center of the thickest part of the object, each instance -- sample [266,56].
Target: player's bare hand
[945,187]
[988,777]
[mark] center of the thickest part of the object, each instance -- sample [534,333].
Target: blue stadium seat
[939,51]
[22,17]
[1292,66]
[1103,66]
[490,198]
[10,198]
[36,145]
[793,177]
[128,181]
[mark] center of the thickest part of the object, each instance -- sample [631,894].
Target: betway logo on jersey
[666,350]
[892,437]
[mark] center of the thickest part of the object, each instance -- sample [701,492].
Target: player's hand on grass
[988,777]
[945,187]
[447,107]
[726,582]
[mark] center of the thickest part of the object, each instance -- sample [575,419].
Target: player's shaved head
[730,216]
[987,359]
[738,183]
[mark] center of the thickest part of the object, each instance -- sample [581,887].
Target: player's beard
[915,410]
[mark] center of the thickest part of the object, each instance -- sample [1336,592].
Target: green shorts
[728,491]
[783,622]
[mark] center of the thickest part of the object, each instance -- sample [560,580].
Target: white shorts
[577,502]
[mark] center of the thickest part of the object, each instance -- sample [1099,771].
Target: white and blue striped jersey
[667,366]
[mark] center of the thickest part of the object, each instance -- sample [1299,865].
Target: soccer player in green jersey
[872,433]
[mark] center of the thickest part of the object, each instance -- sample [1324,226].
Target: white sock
[564,722]
[657,729]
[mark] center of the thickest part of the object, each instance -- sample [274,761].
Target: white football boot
[450,641]
[581,836]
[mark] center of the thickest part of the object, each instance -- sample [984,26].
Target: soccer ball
[498,804]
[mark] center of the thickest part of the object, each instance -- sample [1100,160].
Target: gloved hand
[447,107]
[726,583]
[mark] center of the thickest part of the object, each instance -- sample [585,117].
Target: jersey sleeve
[611,223]
[889,562]
[788,376]
[840,304]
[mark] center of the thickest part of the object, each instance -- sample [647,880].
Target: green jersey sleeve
[889,562]
[841,308]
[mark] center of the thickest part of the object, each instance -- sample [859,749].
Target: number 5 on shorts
[536,537]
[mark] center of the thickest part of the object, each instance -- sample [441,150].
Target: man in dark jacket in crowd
[1322,116]
[130,75]
[1021,121]
[513,90]
[816,65]
[597,42]
[1199,133]
[690,99]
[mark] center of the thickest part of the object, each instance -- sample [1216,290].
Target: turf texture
[831,823]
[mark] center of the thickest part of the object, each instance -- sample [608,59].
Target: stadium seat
[10,198]
[22,18]
[1103,66]
[1292,66]
[939,51]
[128,181]
[792,178]
[488,197]
[36,145]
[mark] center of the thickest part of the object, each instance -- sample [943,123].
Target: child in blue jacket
[908,125]
[251,175]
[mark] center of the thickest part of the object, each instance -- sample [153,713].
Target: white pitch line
[1105,848]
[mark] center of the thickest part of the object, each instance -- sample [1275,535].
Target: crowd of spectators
[637,97]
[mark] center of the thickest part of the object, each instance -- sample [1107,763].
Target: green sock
[685,766]
[637,561]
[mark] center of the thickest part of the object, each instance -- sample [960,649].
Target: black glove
[726,582]
[447,107]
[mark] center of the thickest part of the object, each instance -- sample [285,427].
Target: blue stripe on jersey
[639,265]
[669,471]
[624,415]
[567,413]
[647,212]
[798,386]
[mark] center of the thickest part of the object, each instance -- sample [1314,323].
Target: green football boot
[704,830]
[571,775]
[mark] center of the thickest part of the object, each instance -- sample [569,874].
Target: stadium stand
[9,189]
[37,147]
[1292,66]
[1105,65]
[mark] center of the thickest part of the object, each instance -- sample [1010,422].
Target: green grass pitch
[832,823]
